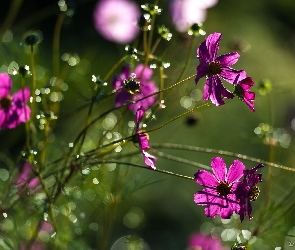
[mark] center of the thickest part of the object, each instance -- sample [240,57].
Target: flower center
[214,68]
[5,102]
[223,188]
[254,193]
[131,85]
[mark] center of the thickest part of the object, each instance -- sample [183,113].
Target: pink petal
[5,84]
[22,95]
[143,72]
[25,114]
[205,179]
[219,168]
[149,160]
[228,59]
[236,171]
[232,76]
[206,196]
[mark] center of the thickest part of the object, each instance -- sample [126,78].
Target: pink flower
[13,109]
[116,20]
[143,140]
[247,191]
[216,68]
[133,87]
[187,12]
[24,178]
[219,194]
[198,241]
[242,90]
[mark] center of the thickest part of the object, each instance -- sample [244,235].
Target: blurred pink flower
[24,178]
[116,20]
[187,12]
[143,139]
[198,241]
[13,109]
[134,87]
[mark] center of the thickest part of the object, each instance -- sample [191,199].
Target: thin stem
[56,43]
[188,58]
[12,13]
[177,117]
[161,70]
[180,160]
[220,152]
[94,162]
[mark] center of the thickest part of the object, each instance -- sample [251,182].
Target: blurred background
[158,208]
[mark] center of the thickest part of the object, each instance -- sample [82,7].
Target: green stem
[93,162]
[220,152]
[188,58]
[177,117]
[56,43]
[12,13]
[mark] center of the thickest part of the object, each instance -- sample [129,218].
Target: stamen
[223,188]
[214,68]
[131,85]
[254,193]
[5,102]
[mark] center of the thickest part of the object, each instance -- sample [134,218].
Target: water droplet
[4,174]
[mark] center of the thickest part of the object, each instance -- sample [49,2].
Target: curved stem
[220,152]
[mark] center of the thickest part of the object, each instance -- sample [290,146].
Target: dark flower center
[254,193]
[214,68]
[132,86]
[5,102]
[223,188]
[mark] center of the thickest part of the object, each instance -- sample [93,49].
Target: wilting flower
[247,191]
[198,241]
[143,141]
[219,194]
[116,20]
[13,110]
[214,68]
[242,90]
[135,86]
[187,12]
[24,178]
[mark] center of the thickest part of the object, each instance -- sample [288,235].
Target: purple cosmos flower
[13,110]
[219,194]
[143,140]
[247,191]
[116,20]
[133,87]
[24,176]
[187,12]
[199,241]
[214,68]
[242,90]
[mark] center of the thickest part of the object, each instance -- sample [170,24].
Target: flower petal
[219,168]
[208,50]
[5,85]
[228,59]
[143,72]
[138,117]
[22,95]
[149,160]
[236,171]
[202,70]
[122,97]
[25,114]
[205,197]
[206,179]
[232,76]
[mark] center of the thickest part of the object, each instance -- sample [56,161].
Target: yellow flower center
[223,188]
[254,193]
[5,102]
[214,68]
